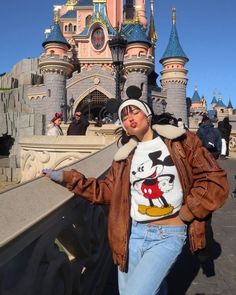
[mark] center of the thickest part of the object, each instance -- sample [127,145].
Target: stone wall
[17,117]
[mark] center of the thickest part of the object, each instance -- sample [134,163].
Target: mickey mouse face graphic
[153,183]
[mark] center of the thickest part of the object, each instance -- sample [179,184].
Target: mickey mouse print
[155,187]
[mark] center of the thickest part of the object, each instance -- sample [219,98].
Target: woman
[54,128]
[160,179]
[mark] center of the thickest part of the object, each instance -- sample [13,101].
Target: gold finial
[136,19]
[71,4]
[152,32]
[56,16]
[173,15]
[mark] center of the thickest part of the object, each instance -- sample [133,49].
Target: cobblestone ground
[218,276]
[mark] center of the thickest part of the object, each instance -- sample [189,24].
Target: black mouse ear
[133,92]
[112,105]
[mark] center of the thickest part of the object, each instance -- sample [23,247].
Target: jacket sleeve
[92,189]
[209,189]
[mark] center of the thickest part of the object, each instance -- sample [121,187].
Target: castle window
[98,38]
[66,28]
[74,28]
[88,20]
[70,27]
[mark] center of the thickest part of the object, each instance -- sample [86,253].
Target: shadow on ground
[187,267]
[182,274]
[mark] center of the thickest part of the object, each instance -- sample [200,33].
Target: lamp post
[117,46]
[164,104]
[71,104]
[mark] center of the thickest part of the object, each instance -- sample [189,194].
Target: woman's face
[135,122]
[57,122]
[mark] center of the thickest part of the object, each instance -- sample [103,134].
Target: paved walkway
[224,263]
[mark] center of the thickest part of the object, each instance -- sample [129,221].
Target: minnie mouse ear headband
[137,103]
[57,115]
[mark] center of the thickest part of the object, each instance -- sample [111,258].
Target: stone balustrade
[54,152]
[52,242]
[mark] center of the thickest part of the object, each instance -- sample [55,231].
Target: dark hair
[164,119]
[205,118]
[127,110]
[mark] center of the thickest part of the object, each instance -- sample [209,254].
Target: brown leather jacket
[204,185]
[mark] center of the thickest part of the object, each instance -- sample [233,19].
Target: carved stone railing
[52,242]
[38,152]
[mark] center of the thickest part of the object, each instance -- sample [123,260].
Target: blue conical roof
[230,106]
[213,100]
[196,97]
[69,14]
[138,35]
[174,48]
[56,36]
[220,103]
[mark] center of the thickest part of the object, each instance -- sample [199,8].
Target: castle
[216,111]
[75,70]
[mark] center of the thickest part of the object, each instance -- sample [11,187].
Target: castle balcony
[52,242]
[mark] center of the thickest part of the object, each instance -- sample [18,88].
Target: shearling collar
[167,131]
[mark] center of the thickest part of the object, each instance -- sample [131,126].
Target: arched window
[66,28]
[74,28]
[70,27]
[88,20]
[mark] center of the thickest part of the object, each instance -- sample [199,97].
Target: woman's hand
[53,174]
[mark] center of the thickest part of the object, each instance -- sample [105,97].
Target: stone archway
[93,105]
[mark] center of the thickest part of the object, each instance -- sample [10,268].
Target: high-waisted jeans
[153,249]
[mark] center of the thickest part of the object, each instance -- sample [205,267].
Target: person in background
[54,128]
[225,130]
[210,136]
[160,181]
[78,126]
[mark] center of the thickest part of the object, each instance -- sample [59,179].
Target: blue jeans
[153,249]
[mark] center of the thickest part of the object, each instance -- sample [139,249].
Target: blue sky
[206,31]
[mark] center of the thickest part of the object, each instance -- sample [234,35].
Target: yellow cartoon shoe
[143,208]
[159,211]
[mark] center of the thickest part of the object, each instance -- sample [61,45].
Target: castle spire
[152,35]
[56,15]
[173,16]
[174,75]
[140,8]
[230,106]
[174,48]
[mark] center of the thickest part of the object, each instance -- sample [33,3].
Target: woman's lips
[133,125]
